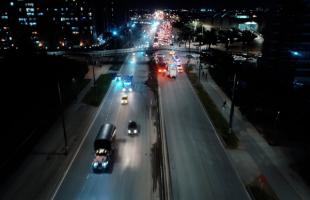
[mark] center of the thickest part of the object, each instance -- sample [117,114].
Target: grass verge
[221,126]
[95,95]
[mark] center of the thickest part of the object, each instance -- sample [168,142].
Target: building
[109,15]
[239,19]
[18,19]
[48,24]
[71,21]
[6,37]
[286,51]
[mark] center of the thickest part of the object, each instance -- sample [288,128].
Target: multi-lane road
[199,165]
[131,171]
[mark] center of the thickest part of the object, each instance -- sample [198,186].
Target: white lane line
[82,142]
[218,138]
[80,145]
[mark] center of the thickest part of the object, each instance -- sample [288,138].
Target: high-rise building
[109,15]
[71,22]
[48,23]
[17,16]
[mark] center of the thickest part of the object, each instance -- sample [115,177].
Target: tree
[210,37]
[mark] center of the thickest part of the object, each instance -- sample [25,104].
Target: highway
[131,174]
[199,165]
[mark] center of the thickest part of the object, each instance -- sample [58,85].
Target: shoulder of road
[255,157]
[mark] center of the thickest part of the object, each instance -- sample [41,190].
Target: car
[124,99]
[118,77]
[180,68]
[132,128]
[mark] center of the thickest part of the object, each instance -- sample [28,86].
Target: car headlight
[105,164]
[130,89]
[95,164]
[135,131]
[129,131]
[124,89]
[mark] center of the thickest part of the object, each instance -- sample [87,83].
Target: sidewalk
[41,171]
[254,156]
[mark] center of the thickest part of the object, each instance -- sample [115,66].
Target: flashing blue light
[114,33]
[133,25]
[133,60]
[295,53]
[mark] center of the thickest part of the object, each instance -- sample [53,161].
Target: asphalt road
[131,174]
[199,165]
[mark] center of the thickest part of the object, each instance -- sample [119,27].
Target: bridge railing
[121,51]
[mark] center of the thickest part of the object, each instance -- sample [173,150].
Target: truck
[104,146]
[127,83]
[172,71]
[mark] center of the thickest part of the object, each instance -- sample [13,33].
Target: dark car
[132,128]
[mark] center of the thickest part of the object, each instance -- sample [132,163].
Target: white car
[180,68]
[124,100]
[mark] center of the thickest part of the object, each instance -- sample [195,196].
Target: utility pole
[94,75]
[199,70]
[232,107]
[63,118]
[277,119]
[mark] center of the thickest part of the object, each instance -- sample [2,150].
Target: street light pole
[63,118]
[277,119]
[199,68]
[94,76]
[232,107]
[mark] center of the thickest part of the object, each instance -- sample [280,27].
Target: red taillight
[159,70]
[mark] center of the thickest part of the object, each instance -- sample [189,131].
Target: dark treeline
[30,98]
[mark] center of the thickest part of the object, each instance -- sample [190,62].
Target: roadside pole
[232,107]
[63,118]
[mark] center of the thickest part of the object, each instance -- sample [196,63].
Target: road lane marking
[82,142]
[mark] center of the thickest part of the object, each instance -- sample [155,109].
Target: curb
[165,164]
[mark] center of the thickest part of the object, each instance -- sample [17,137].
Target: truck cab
[104,145]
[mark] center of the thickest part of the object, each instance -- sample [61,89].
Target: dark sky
[195,3]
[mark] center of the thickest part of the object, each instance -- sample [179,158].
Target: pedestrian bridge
[112,52]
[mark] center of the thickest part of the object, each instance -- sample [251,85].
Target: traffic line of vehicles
[163,36]
[105,141]
[170,65]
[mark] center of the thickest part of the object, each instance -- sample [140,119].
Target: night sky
[196,3]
